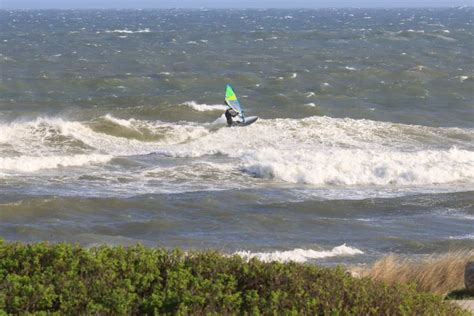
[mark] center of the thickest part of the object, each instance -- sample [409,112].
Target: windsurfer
[229,114]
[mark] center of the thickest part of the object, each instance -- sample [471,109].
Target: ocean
[111,130]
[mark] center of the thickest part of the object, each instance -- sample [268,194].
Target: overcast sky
[81,4]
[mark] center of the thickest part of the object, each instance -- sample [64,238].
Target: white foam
[40,136]
[350,167]
[321,151]
[462,237]
[463,78]
[299,255]
[205,107]
[341,152]
[127,31]
[31,164]
[126,123]
[120,146]
[414,31]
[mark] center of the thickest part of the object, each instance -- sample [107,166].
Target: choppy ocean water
[110,130]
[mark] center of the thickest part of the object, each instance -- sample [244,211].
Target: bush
[70,279]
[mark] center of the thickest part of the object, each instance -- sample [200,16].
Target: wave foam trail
[363,167]
[321,151]
[205,107]
[44,136]
[326,151]
[299,255]
[30,164]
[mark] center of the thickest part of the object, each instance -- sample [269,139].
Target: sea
[112,131]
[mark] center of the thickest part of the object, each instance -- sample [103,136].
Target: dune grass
[437,274]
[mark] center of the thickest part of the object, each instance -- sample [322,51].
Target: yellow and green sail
[231,99]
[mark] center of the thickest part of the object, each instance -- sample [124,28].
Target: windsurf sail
[232,101]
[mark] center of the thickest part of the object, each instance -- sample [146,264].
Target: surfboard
[233,102]
[248,120]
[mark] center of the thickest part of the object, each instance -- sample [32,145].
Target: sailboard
[233,102]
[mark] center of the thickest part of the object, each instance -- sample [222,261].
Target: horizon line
[237,8]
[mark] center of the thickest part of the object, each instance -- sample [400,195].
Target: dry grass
[439,274]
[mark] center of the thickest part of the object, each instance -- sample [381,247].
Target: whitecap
[462,237]
[35,163]
[205,107]
[299,254]
[127,31]
[355,167]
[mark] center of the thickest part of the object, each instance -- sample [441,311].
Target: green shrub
[68,279]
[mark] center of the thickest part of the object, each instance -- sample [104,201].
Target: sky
[137,4]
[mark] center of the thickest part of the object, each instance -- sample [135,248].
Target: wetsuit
[229,116]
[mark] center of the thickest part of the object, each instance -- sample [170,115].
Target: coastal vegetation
[438,274]
[70,279]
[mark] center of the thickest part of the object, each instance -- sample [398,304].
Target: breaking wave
[320,151]
[105,135]
[30,164]
[363,167]
[342,152]
[299,255]
[205,107]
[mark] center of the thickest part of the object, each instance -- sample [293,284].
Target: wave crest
[31,164]
[320,151]
[205,107]
[362,167]
[299,255]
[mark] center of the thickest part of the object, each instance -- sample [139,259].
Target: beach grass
[437,274]
[70,279]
